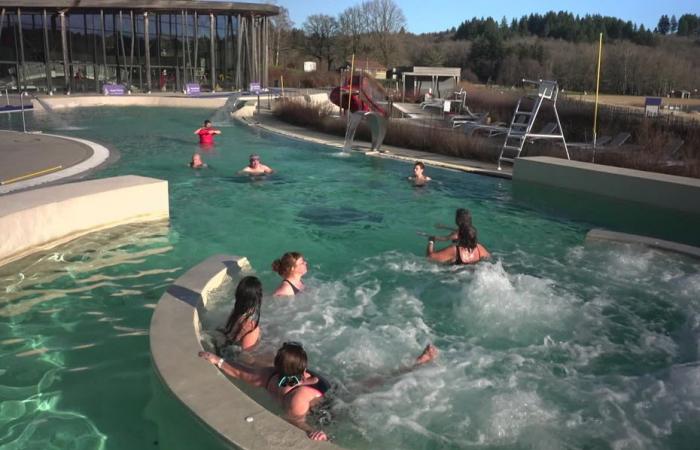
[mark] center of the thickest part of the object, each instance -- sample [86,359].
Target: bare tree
[321,31]
[384,20]
[281,28]
[352,26]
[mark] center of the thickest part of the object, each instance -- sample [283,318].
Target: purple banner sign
[192,88]
[113,89]
[254,87]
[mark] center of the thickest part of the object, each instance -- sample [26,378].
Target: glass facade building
[145,45]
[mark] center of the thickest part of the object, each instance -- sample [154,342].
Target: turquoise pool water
[552,344]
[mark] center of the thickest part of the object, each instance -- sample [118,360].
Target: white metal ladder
[520,129]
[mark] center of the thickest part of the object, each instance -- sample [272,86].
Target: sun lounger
[619,139]
[601,141]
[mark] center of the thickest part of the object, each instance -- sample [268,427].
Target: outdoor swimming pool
[552,344]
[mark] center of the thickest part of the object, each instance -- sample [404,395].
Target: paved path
[267,121]
[30,159]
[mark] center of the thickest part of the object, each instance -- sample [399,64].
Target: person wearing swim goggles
[290,382]
[255,167]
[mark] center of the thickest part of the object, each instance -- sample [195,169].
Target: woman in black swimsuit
[242,326]
[291,267]
[290,382]
[465,251]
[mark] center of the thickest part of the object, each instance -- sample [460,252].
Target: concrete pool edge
[271,125]
[649,188]
[598,234]
[99,157]
[153,100]
[212,398]
[40,219]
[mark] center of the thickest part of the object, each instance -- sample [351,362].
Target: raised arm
[443,256]
[251,375]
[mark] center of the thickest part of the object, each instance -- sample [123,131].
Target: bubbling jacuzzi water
[605,359]
[551,344]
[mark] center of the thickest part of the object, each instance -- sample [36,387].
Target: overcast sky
[424,16]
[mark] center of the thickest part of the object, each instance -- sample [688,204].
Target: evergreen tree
[674,24]
[664,24]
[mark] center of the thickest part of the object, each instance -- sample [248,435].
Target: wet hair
[466,237]
[207,122]
[254,156]
[291,360]
[463,216]
[284,265]
[420,164]
[247,307]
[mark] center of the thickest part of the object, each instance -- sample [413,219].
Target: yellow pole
[30,175]
[597,90]
[352,71]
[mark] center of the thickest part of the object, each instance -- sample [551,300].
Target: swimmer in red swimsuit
[206,133]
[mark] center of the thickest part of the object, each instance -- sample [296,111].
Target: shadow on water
[332,217]
[610,213]
[175,426]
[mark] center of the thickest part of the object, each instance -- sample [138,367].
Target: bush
[399,132]
[654,145]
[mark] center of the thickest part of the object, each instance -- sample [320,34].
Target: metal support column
[212,51]
[185,48]
[147,51]
[64,46]
[266,50]
[2,22]
[47,56]
[23,66]
[240,29]
[195,66]
[104,45]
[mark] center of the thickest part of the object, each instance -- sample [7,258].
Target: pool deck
[31,159]
[269,122]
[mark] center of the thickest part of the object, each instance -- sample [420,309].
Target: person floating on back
[206,133]
[419,178]
[255,167]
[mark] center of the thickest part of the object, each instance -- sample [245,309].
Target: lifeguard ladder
[520,130]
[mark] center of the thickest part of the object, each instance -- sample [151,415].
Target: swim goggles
[289,381]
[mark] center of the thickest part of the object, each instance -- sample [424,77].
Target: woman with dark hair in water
[291,267]
[243,324]
[462,217]
[290,382]
[465,251]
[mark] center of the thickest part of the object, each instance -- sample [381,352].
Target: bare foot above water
[429,353]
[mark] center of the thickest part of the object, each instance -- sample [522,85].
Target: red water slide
[366,95]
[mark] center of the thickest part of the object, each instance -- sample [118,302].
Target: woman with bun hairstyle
[291,267]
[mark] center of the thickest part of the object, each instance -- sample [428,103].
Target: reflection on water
[63,309]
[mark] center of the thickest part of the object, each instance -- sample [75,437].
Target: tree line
[555,45]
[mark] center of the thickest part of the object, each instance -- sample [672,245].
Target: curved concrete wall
[62,102]
[210,396]
[665,191]
[42,218]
